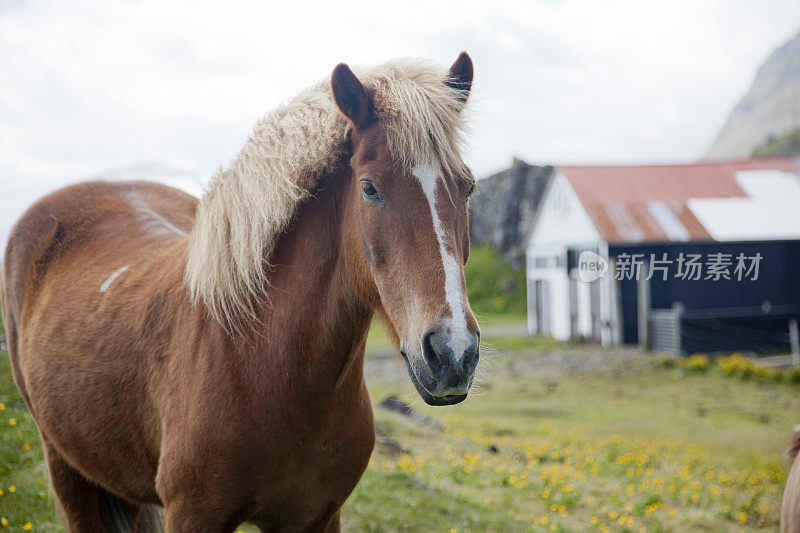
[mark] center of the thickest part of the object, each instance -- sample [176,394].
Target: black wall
[723,315]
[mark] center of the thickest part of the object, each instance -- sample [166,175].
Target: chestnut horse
[207,356]
[790,506]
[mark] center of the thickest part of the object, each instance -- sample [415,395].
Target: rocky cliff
[770,109]
[504,207]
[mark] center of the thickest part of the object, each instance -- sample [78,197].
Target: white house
[644,212]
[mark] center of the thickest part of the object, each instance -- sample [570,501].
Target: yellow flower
[741,517]
[12,488]
[26,447]
[12,421]
[1,492]
[453,530]
[2,407]
[3,521]
[28,526]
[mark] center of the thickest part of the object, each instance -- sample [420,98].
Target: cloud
[101,84]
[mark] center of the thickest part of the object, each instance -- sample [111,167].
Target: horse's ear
[460,76]
[351,97]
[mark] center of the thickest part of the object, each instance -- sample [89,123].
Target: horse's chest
[318,473]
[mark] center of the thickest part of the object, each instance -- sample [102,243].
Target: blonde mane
[251,203]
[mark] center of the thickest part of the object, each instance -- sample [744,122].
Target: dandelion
[12,488]
[741,517]
[28,526]
[12,422]
[2,407]
[4,520]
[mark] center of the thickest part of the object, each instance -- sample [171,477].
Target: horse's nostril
[430,353]
[470,358]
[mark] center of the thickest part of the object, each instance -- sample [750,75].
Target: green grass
[658,449]
[25,495]
[653,448]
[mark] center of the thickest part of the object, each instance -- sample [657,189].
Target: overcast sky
[97,85]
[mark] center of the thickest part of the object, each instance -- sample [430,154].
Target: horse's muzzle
[444,373]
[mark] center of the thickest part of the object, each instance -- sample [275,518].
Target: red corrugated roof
[620,198]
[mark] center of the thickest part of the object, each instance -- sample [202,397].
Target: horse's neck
[315,321]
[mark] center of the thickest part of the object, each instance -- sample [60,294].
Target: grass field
[639,448]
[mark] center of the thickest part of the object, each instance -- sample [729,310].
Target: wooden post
[794,340]
[643,305]
[530,288]
[677,309]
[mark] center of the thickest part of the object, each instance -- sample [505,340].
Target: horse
[790,504]
[203,359]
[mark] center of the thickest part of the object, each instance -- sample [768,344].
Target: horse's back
[86,218]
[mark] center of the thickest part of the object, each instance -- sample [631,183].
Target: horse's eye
[471,190]
[369,190]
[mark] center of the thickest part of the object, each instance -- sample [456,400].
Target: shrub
[793,375]
[736,365]
[493,285]
[698,362]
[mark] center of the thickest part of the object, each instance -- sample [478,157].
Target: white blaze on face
[429,179]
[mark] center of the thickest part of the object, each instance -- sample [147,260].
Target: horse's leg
[79,497]
[334,526]
[87,507]
[329,523]
[190,517]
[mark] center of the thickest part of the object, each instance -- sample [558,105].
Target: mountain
[787,144]
[502,210]
[770,109]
